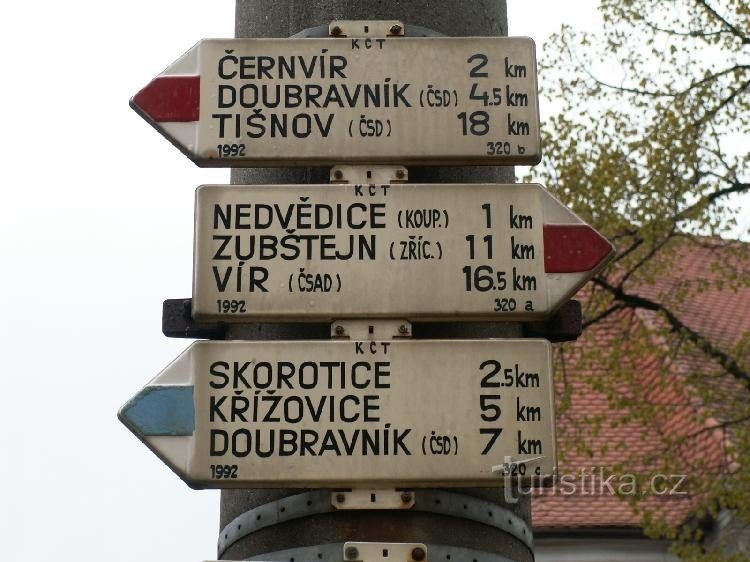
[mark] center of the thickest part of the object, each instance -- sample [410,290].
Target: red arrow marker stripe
[572,248]
[171,98]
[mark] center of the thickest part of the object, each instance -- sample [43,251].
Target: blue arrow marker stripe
[162,410]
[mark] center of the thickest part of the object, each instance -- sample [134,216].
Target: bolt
[402,329]
[351,553]
[335,31]
[338,174]
[395,29]
[340,498]
[399,174]
[405,497]
[339,332]
[418,554]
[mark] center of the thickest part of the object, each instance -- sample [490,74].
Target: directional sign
[287,102]
[404,250]
[350,413]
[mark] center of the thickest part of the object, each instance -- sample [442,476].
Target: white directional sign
[351,413]
[286,102]
[403,250]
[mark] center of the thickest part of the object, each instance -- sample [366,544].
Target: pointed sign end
[169,99]
[160,410]
[573,248]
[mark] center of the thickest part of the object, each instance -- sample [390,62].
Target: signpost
[360,414]
[410,251]
[295,102]
[370,413]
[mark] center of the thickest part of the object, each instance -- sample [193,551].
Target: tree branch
[722,104]
[720,426]
[650,254]
[624,234]
[728,363]
[735,31]
[635,245]
[682,33]
[734,187]
[603,315]
[656,93]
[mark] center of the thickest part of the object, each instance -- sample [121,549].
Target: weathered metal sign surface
[404,250]
[437,100]
[351,413]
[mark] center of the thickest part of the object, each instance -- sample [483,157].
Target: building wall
[604,549]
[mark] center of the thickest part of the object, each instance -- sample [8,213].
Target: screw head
[395,29]
[399,173]
[418,554]
[340,498]
[402,329]
[336,30]
[405,497]
[339,330]
[338,174]
[351,553]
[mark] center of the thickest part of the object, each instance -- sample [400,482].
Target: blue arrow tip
[161,410]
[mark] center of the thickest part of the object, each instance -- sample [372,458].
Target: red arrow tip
[170,98]
[572,248]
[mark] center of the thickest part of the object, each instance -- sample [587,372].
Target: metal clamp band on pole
[316,502]
[462,506]
[333,553]
[268,514]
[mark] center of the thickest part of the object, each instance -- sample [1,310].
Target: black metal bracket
[565,325]
[177,322]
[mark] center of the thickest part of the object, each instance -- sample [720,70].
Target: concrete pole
[283,18]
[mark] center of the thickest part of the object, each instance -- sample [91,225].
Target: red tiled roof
[722,314]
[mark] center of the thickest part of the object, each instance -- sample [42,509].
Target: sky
[96,229]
